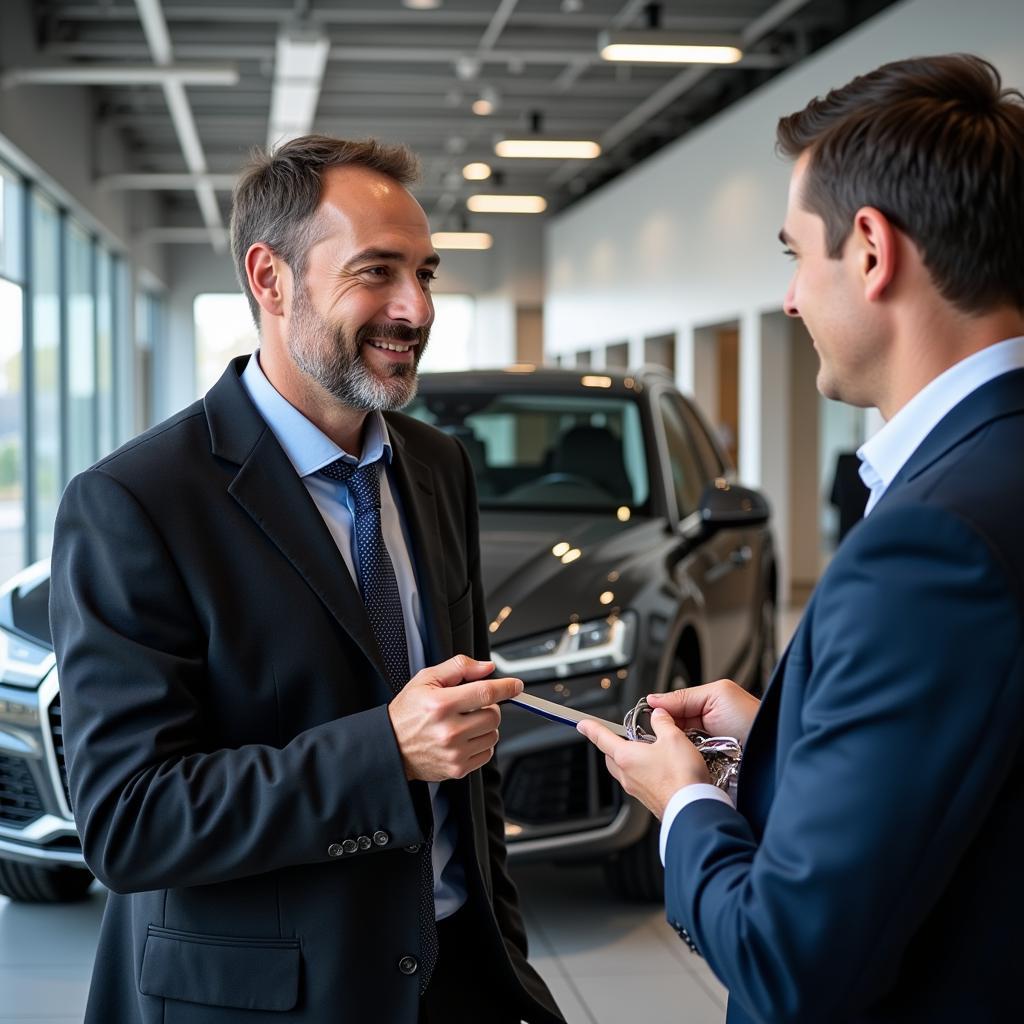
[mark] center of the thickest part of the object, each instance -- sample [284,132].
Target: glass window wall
[47,477]
[80,378]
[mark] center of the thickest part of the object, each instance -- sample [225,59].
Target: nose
[411,303]
[789,302]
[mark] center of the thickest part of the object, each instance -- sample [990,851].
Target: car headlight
[23,663]
[577,649]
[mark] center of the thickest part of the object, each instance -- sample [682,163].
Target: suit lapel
[415,484]
[268,489]
[1002,396]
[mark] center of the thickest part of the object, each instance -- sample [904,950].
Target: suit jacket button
[350,846]
[381,838]
[334,850]
[408,965]
[364,842]
[415,848]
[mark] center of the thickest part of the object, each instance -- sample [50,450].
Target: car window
[713,463]
[547,451]
[688,475]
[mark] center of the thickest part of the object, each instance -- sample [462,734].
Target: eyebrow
[369,255]
[785,239]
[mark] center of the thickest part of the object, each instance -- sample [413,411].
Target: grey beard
[332,358]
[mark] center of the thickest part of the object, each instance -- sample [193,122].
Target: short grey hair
[276,197]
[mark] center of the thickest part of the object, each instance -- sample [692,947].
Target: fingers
[683,704]
[473,696]
[457,670]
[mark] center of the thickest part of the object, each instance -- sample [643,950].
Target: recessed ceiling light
[506,204]
[476,172]
[547,149]
[656,46]
[421,5]
[461,240]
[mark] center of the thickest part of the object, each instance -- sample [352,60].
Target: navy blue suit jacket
[872,869]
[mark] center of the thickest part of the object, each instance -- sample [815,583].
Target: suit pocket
[460,615]
[220,970]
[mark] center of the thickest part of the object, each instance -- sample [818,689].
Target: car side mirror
[724,505]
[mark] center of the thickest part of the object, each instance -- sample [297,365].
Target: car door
[724,567]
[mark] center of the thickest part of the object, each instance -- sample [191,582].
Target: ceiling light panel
[548,149]
[506,204]
[656,46]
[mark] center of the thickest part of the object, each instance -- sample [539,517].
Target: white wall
[689,238]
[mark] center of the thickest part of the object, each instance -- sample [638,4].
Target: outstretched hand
[652,772]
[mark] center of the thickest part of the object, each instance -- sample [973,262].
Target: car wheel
[26,883]
[635,873]
[767,647]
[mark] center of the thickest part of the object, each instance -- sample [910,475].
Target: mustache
[393,332]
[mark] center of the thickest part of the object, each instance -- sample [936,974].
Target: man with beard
[272,644]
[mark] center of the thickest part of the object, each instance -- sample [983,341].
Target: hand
[446,718]
[721,708]
[652,772]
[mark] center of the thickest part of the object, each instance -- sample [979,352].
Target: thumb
[663,723]
[460,669]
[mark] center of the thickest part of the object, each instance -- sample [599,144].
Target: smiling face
[828,295]
[361,316]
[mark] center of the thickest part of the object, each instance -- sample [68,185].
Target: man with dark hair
[869,871]
[272,646]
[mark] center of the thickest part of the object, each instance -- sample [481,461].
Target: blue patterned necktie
[383,602]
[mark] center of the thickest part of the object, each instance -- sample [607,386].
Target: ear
[876,251]
[268,277]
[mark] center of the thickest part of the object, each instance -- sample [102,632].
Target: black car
[619,558]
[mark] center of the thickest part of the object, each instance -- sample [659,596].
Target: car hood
[531,589]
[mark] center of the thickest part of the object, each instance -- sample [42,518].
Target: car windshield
[547,451]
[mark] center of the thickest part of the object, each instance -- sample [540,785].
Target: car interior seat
[595,454]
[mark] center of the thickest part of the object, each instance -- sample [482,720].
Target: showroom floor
[601,958]
[605,961]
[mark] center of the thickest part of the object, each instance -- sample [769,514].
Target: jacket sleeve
[914,695]
[158,803]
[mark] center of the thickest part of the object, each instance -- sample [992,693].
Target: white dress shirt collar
[885,454]
[308,448]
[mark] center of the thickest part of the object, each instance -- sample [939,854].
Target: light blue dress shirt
[309,450]
[882,457]
[885,454]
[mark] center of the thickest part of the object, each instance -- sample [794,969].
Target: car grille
[559,786]
[57,734]
[20,804]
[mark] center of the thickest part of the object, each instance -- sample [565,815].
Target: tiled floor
[597,954]
[606,961]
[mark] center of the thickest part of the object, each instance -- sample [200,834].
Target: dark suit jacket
[872,870]
[224,708]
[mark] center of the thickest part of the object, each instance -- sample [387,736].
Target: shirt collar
[885,454]
[308,448]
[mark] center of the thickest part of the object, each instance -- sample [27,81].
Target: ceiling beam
[366,54]
[149,182]
[159,41]
[109,13]
[123,74]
